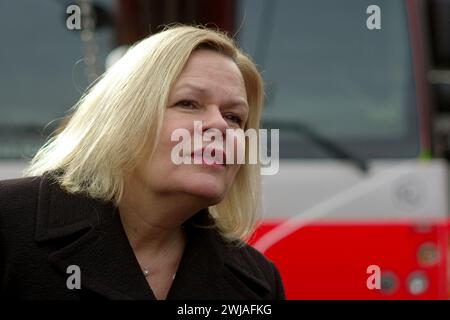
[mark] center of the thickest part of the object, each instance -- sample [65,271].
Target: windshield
[42,72]
[322,66]
[325,69]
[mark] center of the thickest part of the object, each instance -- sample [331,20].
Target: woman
[105,211]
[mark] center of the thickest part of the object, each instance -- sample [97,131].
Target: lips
[216,153]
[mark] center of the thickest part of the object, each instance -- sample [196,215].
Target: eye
[187,104]
[234,118]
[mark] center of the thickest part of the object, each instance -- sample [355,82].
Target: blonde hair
[118,120]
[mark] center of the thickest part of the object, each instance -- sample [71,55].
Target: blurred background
[363,113]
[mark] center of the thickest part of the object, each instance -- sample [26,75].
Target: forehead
[209,68]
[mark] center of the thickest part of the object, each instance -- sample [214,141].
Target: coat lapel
[213,269]
[89,233]
[93,239]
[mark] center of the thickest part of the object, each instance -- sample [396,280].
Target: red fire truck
[379,199]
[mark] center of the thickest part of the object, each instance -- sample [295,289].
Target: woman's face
[211,90]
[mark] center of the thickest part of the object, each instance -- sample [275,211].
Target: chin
[209,191]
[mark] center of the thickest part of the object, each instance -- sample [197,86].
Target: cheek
[234,147]
[161,164]
[165,145]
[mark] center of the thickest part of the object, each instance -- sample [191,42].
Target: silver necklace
[146,270]
[146,273]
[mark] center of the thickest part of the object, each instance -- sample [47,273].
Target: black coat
[43,230]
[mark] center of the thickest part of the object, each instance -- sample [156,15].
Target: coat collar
[89,233]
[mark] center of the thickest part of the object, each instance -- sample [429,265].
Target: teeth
[208,158]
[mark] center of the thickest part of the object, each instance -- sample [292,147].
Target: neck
[153,222]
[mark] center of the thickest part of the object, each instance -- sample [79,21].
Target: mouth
[215,158]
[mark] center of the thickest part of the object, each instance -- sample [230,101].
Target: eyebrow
[205,92]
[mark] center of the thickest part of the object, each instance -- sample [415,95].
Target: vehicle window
[42,73]
[325,69]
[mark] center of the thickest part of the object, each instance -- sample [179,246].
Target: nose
[213,119]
